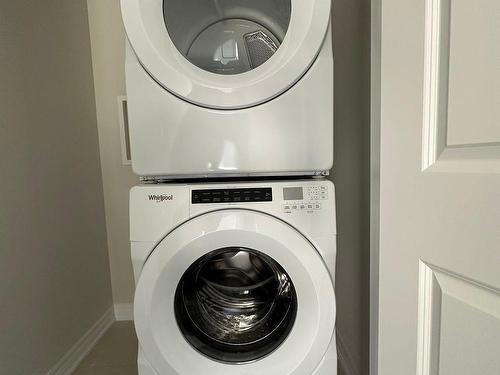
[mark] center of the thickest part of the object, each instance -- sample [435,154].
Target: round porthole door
[235,292]
[226,53]
[235,305]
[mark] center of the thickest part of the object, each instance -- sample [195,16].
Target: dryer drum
[227,36]
[235,305]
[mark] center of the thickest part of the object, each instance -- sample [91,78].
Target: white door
[235,292]
[439,246]
[226,53]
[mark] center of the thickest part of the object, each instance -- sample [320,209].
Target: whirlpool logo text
[161,198]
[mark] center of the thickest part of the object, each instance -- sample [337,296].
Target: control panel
[232,195]
[307,198]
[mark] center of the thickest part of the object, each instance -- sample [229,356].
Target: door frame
[375,124]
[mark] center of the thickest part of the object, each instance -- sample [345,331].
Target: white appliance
[229,87]
[235,279]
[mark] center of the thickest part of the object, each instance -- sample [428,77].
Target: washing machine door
[226,53]
[235,292]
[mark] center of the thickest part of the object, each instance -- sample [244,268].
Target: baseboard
[124,311]
[70,361]
[346,361]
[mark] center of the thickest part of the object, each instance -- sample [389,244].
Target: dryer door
[235,292]
[226,53]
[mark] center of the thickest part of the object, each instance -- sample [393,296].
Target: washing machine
[235,278]
[229,87]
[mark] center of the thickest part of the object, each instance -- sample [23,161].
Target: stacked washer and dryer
[233,231]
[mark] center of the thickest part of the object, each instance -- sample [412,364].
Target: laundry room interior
[67,285]
[249,187]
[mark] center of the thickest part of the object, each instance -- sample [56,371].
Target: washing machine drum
[235,305]
[226,53]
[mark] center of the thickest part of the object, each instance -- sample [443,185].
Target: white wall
[352,179]
[108,54]
[54,270]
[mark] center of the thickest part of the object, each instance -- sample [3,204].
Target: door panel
[474,70]
[462,86]
[458,319]
[439,283]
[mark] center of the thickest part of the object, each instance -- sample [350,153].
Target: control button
[323,197]
[302,206]
[317,206]
[295,207]
[287,207]
[310,207]
[232,195]
[323,187]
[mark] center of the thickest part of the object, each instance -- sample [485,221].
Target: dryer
[235,279]
[229,87]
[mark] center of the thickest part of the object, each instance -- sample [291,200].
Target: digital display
[232,195]
[293,194]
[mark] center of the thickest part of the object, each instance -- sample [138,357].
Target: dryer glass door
[227,36]
[235,305]
[226,54]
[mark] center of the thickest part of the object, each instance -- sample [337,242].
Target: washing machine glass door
[226,53]
[235,292]
[235,305]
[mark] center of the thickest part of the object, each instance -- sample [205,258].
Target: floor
[115,353]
